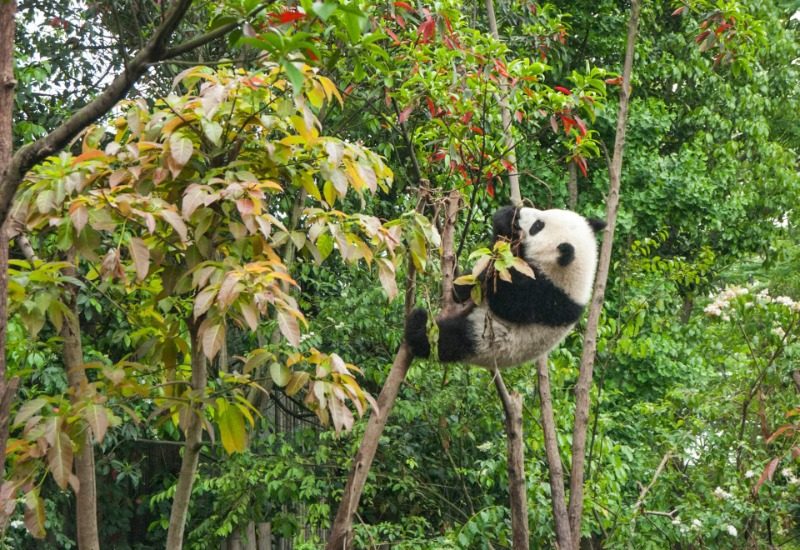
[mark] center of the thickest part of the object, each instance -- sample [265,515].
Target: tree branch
[30,155]
[554,466]
[512,405]
[584,382]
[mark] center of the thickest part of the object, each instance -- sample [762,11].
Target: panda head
[561,244]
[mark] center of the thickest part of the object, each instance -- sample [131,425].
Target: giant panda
[525,318]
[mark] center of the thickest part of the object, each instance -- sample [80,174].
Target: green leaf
[280,373]
[323,10]
[295,76]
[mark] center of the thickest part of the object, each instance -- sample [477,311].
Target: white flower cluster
[779,332]
[731,530]
[790,477]
[721,493]
[720,304]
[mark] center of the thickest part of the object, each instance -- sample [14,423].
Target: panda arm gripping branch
[524,318]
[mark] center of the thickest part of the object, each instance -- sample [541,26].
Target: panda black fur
[521,320]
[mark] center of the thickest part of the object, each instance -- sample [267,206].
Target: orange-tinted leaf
[768,472]
[212,338]
[59,458]
[97,418]
[175,220]
[34,514]
[289,328]
[180,148]
[141,257]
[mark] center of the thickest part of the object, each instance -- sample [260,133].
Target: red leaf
[400,21]
[581,125]
[438,155]
[768,472]
[490,189]
[431,106]
[508,166]
[311,55]
[467,117]
[680,11]
[581,162]
[614,81]
[702,36]
[501,68]
[405,5]
[477,130]
[562,89]
[392,35]
[288,16]
[405,113]
[519,115]
[427,30]
[568,122]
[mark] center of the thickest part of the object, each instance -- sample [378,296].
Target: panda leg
[456,338]
[416,333]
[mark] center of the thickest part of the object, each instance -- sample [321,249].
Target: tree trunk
[584,383]
[341,530]
[8,387]
[264,536]
[554,466]
[86,496]
[191,453]
[517,488]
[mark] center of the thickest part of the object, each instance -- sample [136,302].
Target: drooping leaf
[289,328]
[140,254]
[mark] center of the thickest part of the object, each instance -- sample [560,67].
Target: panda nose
[566,253]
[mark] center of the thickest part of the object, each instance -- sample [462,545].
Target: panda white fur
[521,320]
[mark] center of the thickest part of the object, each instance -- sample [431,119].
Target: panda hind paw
[416,333]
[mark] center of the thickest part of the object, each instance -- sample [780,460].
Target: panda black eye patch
[537,226]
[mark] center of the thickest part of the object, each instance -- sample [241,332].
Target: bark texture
[517,488]
[191,451]
[554,466]
[584,382]
[8,387]
[86,496]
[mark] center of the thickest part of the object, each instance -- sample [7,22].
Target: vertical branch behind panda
[584,382]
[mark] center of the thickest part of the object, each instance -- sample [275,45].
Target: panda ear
[505,222]
[596,225]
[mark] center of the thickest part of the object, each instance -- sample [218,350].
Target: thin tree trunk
[86,496]
[8,387]
[517,488]
[572,186]
[191,453]
[584,382]
[341,530]
[505,113]
[341,533]
[554,466]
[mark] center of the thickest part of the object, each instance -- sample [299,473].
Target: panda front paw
[416,333]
